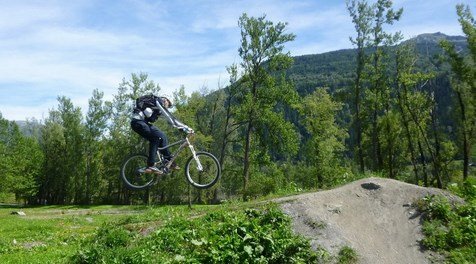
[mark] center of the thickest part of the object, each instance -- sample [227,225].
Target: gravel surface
[374,216]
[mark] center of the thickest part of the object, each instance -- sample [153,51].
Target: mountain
[435,38]
[335,69]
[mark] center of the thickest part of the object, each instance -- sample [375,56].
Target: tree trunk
[358,125]
[429,147]
[246,161]
[411,148]
[436,158]
[423,163]
[375,142]
[87,199]
[466,145]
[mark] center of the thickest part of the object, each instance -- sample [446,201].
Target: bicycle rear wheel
[207,175]
[133,172]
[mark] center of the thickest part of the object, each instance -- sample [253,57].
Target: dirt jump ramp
[374,216]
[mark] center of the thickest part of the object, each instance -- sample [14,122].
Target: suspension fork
[194,154]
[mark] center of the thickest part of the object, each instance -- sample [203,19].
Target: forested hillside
[336,69]
[402,110]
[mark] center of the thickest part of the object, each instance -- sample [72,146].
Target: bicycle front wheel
[133,172]
[204,171]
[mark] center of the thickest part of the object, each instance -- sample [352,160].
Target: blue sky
[57,48]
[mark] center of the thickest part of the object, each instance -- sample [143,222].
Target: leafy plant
[244,236]
[347,255]
[450,229]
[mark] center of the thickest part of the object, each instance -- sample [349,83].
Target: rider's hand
[187,130]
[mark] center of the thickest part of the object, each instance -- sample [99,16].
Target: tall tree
[464,82]
[407,78]
[27,155]
[5,141]
[96,122]
[378,96]
[361,14]
[229,127]
[228,136]
[19,159]
[72,122]
[326,143]
[263,87]
[55,178]
[122,140]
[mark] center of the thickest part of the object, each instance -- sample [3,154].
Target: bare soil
[374,216]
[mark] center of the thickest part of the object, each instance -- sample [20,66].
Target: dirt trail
[374,216]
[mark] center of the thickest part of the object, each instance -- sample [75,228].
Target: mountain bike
[202,169]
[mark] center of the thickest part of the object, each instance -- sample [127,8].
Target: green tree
[54,180]
[464,83]
[378,94]
[121,140]
[96,123]
[72,122]
[361,14]
[19,159]
[27,156]
[263,87]
[230,133]
[407,79]
[203,111]
[393,152]
[62,143]
[4,158]
[326,143]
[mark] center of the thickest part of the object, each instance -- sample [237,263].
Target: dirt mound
[374,216]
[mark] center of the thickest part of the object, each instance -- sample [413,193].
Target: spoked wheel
[133,173]
[205,173]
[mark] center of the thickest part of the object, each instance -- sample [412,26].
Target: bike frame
[184,143]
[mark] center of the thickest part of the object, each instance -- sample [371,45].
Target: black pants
[155,137]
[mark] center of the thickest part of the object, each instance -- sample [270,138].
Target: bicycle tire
[207,177]
[133,175]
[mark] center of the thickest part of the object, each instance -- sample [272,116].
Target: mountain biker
[141,123]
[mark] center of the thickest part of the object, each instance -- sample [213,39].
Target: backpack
[145,101]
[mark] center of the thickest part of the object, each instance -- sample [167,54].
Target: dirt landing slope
[374,216]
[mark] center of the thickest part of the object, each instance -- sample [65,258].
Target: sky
[52,48]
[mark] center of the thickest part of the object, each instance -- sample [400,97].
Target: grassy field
[236,232]
[52,234]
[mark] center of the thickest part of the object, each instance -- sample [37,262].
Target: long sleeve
[170,118]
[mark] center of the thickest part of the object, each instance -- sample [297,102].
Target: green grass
[52,234]
[347,255]
[450,229]
[235,232]
[65,234]
[223,235]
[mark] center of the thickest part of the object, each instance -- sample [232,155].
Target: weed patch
[224,236]
[451,229]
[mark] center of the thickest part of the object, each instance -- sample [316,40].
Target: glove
[186,130]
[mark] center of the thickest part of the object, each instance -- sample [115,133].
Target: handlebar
[187,130]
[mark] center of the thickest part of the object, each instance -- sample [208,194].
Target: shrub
[347,255]
[244,236]
[449,229]
[107,244]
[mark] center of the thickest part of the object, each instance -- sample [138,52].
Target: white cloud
[21,112]
[69,48]
[20,16]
